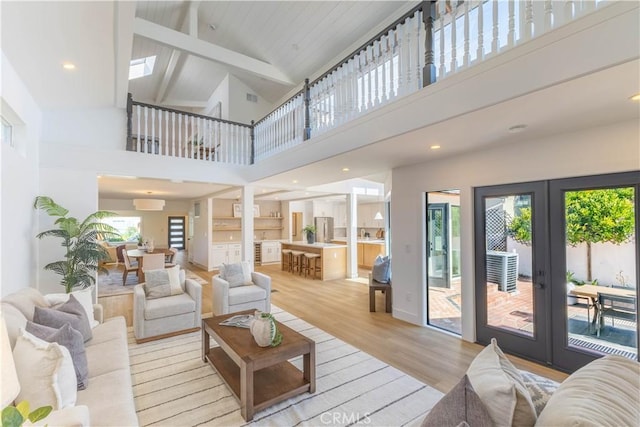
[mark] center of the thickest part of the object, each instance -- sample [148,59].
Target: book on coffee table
[239,321]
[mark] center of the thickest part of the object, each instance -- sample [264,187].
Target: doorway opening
[444,297]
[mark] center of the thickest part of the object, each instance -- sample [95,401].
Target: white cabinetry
[271,252]
[367,213]
[225,253]
[340,214]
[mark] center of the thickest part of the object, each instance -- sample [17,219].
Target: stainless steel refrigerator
[324,229]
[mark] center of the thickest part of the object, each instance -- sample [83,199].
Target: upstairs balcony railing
[432,41]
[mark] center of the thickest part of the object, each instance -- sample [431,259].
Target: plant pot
[311,238]
[571,300]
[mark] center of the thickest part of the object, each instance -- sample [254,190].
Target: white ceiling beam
[193,18]
[209,51]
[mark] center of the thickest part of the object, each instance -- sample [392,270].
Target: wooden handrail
[186,113]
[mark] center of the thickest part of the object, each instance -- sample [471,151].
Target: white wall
[221,95]
[563,155]
[241,110]
[153,224]
[77,191]
[19,185]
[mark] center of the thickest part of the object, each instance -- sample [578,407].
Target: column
[352,235]
[247,223]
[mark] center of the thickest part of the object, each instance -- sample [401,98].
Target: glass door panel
[511,267]
[438,245]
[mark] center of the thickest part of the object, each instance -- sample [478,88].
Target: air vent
[252,98]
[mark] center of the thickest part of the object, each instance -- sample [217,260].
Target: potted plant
[80,240]
[310,231]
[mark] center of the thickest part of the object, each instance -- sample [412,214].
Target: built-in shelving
[234,223]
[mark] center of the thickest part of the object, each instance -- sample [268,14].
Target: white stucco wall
[563,155]
[19,184]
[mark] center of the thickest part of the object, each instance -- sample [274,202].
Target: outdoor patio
[514,311]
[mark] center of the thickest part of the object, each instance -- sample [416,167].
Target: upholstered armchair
[168,315]
[230,299]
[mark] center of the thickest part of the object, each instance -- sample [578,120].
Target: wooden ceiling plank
[208,51]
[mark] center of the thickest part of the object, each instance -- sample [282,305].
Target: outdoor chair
[616,307]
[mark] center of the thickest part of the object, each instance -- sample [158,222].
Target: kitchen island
[333,257]
[368,250]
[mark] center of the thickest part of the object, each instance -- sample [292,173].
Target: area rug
[174,387]
[111,284]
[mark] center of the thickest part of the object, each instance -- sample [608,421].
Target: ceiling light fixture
[295,181]
[517,128]
[435,147]
[635,97]
[148,204]
[68,66]
[345,169]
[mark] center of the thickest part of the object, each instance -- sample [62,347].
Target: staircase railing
[432,41]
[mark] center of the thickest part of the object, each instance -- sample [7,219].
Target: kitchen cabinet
[361,254]
[370,252]
[367,213]
[225,253]
[340,215]
[271,253]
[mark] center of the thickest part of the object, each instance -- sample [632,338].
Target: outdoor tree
[592,216]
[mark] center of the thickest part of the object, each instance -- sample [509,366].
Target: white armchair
[228,299]
[166,316]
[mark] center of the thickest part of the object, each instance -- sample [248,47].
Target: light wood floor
[341,308]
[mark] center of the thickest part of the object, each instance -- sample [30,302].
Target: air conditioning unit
[502,269]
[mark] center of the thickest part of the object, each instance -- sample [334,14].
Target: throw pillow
[157,284]
[72,340]
[501,388]
[25,300]
[238,274]
[382,269]
[45,371]
[174,280]
[460,405]
[70,312]
[84,296]
[540,389]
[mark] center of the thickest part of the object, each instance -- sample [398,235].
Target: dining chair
[128,267]
[170,259]
[152,262]
[616,307]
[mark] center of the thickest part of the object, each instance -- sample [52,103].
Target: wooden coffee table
[258,376]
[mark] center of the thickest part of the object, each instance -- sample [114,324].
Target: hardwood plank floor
[341,308]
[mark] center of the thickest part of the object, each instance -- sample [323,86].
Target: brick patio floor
[512,311]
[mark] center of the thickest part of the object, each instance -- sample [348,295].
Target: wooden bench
[386,291]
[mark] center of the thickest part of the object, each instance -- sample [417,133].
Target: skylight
[141,67]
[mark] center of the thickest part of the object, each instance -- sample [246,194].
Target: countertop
[366,241]
[316,245]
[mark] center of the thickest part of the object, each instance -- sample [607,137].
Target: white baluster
[442,13]
[180,140]
[495,42]
[569,11]
[454,54]
[153,131]
[480,52]
[511,35]
[548,15]
[166,133]
[173,133]
[406,51]
[466,56]
[528,19]
[138,142]
[392,72]
[418,51]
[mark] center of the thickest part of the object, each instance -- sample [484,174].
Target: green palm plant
[80,240]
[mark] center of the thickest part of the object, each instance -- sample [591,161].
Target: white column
[247,224]
[352,235]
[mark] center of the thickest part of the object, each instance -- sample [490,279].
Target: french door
[512,268]
[557,268]
[438,244]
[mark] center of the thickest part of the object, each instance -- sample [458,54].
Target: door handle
[539,283]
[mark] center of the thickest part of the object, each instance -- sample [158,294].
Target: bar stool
[286,260]
[310,258]
[296,261]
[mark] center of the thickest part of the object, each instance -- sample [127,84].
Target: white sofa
[108,398]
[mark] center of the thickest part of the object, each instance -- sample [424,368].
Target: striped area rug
[173,387]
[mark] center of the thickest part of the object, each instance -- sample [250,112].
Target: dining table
[138,255]
[591,292]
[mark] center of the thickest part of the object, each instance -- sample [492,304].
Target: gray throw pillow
[70,312]
[72,340]
[157,284]
[460,406]
[382,269]
[234,274]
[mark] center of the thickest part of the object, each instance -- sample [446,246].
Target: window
[7,132]
[127,226]
[141,67]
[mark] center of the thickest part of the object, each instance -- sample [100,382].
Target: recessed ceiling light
[295,181]
[435,147]
[517,128]
[264,191]
[345,169]
[68,66]
[635,97]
